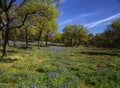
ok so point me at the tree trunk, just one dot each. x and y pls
(71, 40)
(3, 33)
(46, 40)
(8, 43)
(38, 44)
(0, 37)
(15, 34)
(14, 41)
(6, 40)
(39, 39)
(26, 37)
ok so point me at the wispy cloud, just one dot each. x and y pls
(63, 1)
(61, 13)
(93, 24)
(75, 18)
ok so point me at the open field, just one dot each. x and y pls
(60, 67)
(59, 44)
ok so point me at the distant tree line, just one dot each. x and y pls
(110, 38)
(74, 35)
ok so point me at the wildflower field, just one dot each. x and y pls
(60, 67)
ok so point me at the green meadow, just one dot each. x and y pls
(60, 67)
(59, 44)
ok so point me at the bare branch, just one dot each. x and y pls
(23, 22)
(10, 4)
(25, 18)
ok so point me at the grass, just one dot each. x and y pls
(60, 67)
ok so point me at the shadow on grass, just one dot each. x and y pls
(116, 51)
(24, 47)
(7, 60)
(100, 53)
(11, 51)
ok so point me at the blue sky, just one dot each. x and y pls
(93, 14)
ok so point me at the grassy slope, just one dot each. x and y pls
(56, 67)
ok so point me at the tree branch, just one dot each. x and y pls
(23, 22)
(1, 22)
(1, 12)
(1, 28)
(10, 4)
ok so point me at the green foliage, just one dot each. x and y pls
(13, 16)
(56, 38)
(110, 38)
(113, 30)
(74, 35)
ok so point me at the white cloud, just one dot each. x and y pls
(75, 18)
(93, 24)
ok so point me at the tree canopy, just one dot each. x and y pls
(74, 35)
(14, 15)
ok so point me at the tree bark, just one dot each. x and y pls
(7, 34)
(46, 40)
(14, 40)
(6, 40)
(8, 43)
(15, 37)
(39, 39)
(71, 40)
(26, 37)
(0, 37)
